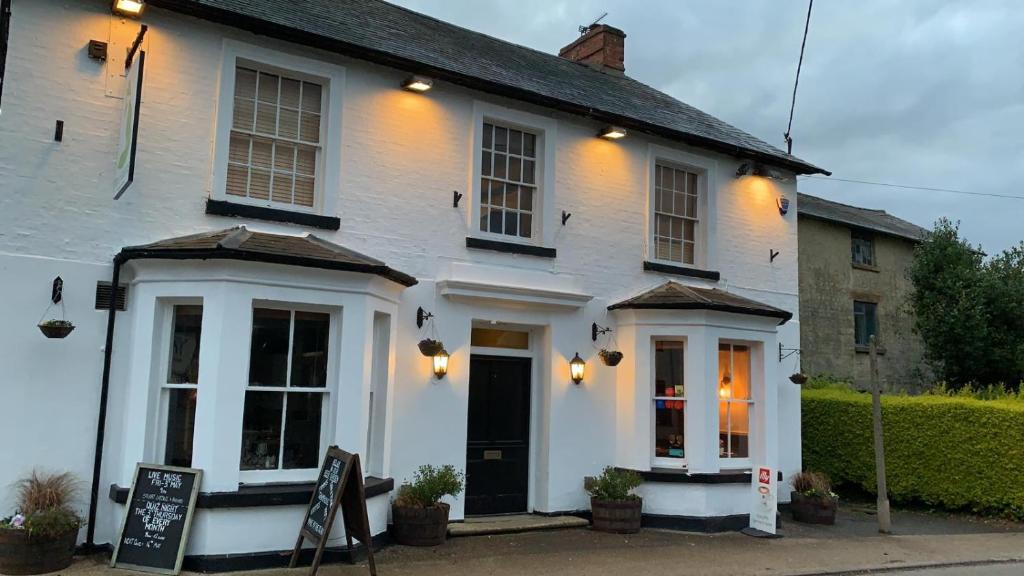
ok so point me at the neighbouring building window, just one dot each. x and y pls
(669, 400)
(275, 139)
(863, 246)
(865, 322)
(676, 205)
(181, 385)
(285, 400)
(734, 401)
(508, 181)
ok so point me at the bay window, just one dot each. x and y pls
(669, 402)
(286, 400)
(735, 403)
(180, 387)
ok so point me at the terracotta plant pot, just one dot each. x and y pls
(56, 330)
(799, 378)
(22, 553)
(619, 517)
(430, 347)
(813, 509)
(420, 526)
(610, 357)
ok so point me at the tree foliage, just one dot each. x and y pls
(969, 311)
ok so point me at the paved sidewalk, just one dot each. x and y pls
(850, 547)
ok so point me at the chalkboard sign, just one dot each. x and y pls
(340, 484)
(157, 519)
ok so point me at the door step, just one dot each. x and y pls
(513, 523)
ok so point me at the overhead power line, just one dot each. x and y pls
(908, 187)
(792, 104)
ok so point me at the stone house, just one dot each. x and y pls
(854, 283)
(315, 188)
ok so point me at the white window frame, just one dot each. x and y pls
(327, 405)
(653, 397)
(545, 130)
(330, 77)
(727, 463)
(165, 341)
(704, 236)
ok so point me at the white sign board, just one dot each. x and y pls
(124, 164)
(766, 498)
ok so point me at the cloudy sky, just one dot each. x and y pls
(924, 93)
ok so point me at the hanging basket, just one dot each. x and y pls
(798, 378)
(56, 328)
(610, 357)
(430, 347)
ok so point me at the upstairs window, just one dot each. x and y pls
(275, 139)
(865, 323)
(862, 246)
(676, 215)
(508, 181)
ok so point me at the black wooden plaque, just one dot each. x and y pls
(339, 486)
(157, 519)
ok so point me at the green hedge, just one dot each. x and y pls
(953, 453)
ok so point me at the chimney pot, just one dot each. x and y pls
(601, 47)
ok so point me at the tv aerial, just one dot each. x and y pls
(583, 29)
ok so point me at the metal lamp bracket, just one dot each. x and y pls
(422, 316)
(787, 352)
(596, 330)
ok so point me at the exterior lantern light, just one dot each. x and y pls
(576, 367)
(441, 363)
(130, 8)
(417, 84)
(612, 133)
(783, 203)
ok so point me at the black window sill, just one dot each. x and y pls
(509, 247)
(681, 271)
(867, 350)
(865, 267)
(225, 208)
(684, 477)
(259, 495)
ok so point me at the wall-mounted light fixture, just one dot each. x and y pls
(783, 203)
(441, 363)
(576, 368)
(612, 133)
(129, 8)
(752, 168)
(417, 83)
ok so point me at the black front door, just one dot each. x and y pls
(498, 446)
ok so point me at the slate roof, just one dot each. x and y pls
(675, 296)
(386, 34)
(238, 243)
(866, 218)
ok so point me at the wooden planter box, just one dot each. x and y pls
(20, 553)
(619, 517)
(813, 509)
(420, 526)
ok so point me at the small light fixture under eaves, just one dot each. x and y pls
(418, 84)
(612, 133)
(130, 8)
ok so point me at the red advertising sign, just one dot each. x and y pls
(764, 476)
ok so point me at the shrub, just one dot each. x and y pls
(956, 453)
(429, 485)
(813, 484)
(615, 485)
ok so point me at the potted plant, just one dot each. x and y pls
(610, 357)
(41, 536)
(56, 328)
(613, 506)
(429, 347)
(418, 515)
(813, 500)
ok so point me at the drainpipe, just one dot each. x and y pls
(101, 423)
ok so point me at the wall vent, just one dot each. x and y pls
(103, 293)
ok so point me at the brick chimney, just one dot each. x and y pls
(601, 47)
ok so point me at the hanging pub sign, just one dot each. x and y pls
(339, 486)
(765, 500)
(124, 164)
(158, 515)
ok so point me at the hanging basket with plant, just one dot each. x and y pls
(41, 536)
(56, 328)
(429, 347)
(613, 506)
(798, 378)
(418, 515)
(610, 357)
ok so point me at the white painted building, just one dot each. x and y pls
(488, 201)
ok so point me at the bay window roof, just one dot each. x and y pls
(675, 296)
(239, 243)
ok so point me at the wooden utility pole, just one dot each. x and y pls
(884, 519)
